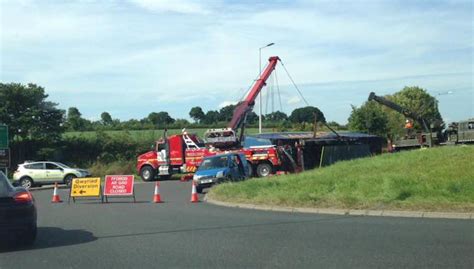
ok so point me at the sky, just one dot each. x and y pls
(134, 57)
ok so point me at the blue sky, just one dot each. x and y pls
(134, 57)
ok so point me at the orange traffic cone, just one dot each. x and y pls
(194, 195)
(156, 196)
(56, 198)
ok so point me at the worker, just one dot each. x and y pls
(408, 127)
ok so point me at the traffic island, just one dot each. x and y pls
(350, 212)
(435, 182)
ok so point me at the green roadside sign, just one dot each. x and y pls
(3, 136)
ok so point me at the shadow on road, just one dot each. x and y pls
(50, 237)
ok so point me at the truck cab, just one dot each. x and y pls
(168, 156)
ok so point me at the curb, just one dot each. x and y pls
(350, 212)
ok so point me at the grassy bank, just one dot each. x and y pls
(439, 179)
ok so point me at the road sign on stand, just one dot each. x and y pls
(85, 187)
(119, 185)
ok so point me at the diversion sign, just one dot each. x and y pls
(85, 187)
(119, 185)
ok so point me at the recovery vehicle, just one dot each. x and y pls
(416, 139)
(184, 152)
(460, 132)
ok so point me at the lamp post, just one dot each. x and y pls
(260, 95)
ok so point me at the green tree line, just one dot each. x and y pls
(36, 125)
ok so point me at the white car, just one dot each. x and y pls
(31, 174)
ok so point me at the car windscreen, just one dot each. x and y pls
(213, 163)
(62, 165)
(4, 185)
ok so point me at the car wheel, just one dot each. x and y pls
(29, 237)
(147, 173)
(26, 182)
(68, 180)
(264, 169)
(250, 169)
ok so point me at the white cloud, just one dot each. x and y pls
(184, 58)
(179, 6)
(293, 100)
(226, 103)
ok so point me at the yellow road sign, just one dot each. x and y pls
(85, 187)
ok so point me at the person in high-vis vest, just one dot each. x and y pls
(408, 127)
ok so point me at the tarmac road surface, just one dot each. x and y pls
(179, 234)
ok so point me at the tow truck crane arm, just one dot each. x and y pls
(224, 138)
(245, 106)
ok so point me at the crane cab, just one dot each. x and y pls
(221, 138)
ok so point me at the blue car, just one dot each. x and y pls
(220, 168)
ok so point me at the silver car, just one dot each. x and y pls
(31, 174)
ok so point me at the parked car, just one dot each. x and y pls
(17, 214)
(31, 174)
(219, 168)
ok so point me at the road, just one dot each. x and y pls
(179, 234)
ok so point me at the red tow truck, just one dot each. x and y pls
(183, 153)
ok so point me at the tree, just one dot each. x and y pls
(160, 118)
(197, 114)
(181, 123)
(306, 115)
(252, 117)
(381, 120)
(106, 119)
(276, 116)
(212, 116)
(28, 114)
(226, 113)
(369, 118)
(75, 122)
(419, 101)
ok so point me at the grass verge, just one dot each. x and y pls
(438, 179)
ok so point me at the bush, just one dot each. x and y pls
(100, 169)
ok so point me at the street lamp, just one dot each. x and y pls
(260, 95)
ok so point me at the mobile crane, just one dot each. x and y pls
(426, 138)
(184, 152)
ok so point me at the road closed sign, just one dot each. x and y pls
(85, 187)
(118, 185)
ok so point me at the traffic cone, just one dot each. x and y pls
(194, 195)
(156, 196)
(56, 198)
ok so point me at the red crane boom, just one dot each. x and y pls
(227, 137)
